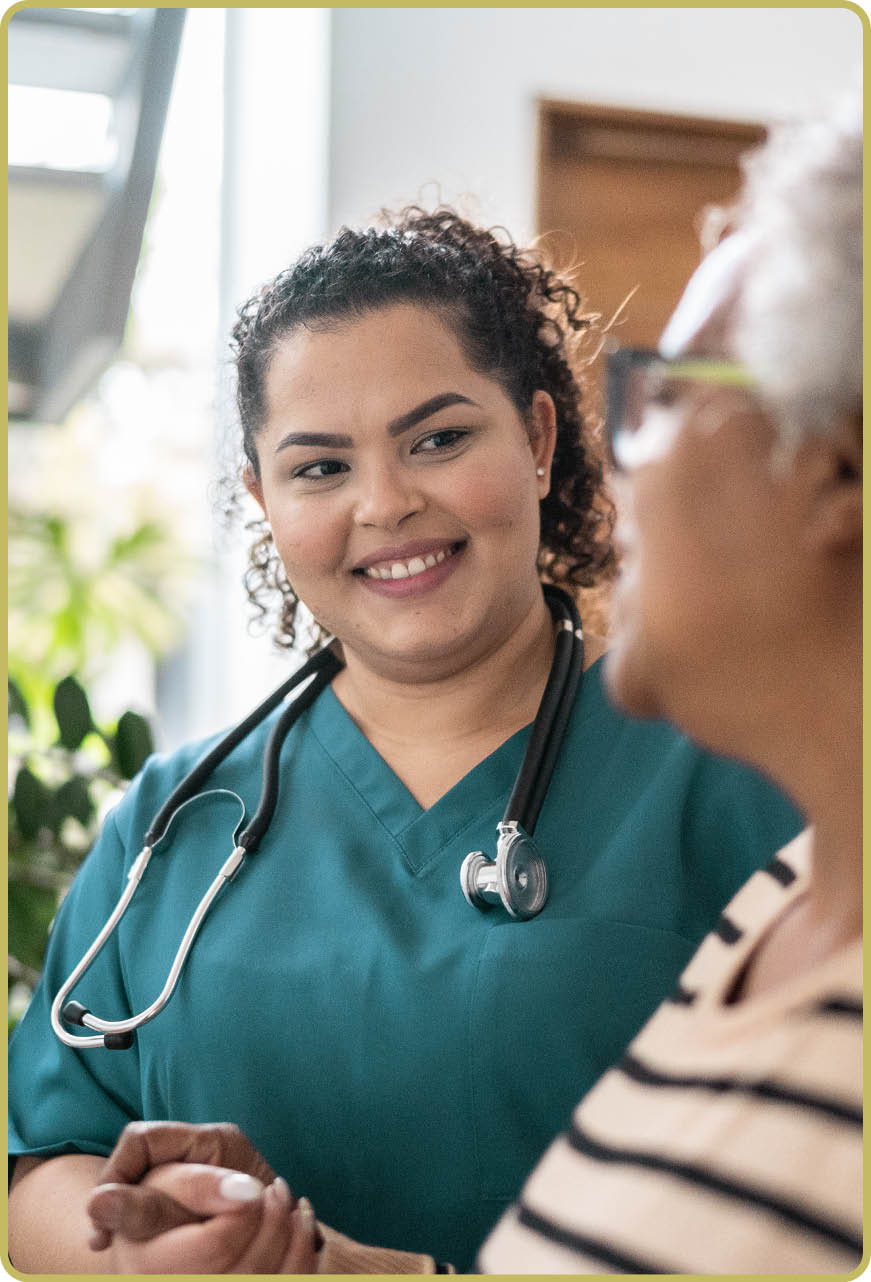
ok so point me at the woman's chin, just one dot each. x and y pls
(415, 654)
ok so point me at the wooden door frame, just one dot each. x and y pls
(605, 126)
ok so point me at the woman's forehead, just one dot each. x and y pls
(389, 360)
(701, 320)
(396, 334)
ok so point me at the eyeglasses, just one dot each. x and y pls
(637, 379)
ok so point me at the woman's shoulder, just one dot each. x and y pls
(163, 772)
(619, 739)
(721, 804)
(661, 742)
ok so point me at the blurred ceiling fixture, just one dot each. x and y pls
(88, 93)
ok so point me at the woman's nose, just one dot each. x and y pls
(388, 494)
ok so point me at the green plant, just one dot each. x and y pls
(58, 794)
(75, 593)
(89, 585)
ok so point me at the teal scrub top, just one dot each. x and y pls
(398, 1056)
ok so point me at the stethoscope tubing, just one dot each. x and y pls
(571, 636)
(328, 667)
(118, 1028)
(530, 787)
(323, 660)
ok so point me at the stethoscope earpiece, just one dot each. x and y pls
(516, 878)
(75, 1012)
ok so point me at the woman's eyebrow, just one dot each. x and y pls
(323, 440)
(339, 441)
(425, 409)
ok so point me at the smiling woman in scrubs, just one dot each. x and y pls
(413, 434)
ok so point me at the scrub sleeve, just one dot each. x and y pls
(401, 1058)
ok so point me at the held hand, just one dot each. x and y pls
(167, 1211)
(234, 1224)
(142, 1146)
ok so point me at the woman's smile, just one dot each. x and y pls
(409, 570)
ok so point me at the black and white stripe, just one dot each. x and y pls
(781, 872)
(770, 1091)
(726, 930)
(839, 1235)
(595, 1248)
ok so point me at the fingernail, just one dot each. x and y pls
(309, 1219)
(282, 1190)
(240, 1188)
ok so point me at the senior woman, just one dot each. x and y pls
(412, 431)
(728, 1139)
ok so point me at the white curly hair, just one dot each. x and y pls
(798, 322)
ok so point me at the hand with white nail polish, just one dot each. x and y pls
(179, 1198)
(182, 1198)
(233, 1223)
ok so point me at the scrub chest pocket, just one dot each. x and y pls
(557, 999)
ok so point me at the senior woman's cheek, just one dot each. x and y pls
(649, 591)
(661, 605)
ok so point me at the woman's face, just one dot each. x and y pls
(709, 568)
(402, 491)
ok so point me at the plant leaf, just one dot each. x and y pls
(30, 800)
(17, 704)
(133, 743)
(74, 798)
(73, 713)
(31, 909)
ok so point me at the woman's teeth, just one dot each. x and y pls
(408, 569)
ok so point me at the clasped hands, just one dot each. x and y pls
(178, 1198)
(181, 1198)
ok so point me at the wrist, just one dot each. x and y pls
(341, 1254)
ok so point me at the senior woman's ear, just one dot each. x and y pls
(835, 524)
(251, 481)
(542, 437)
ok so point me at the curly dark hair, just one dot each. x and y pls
(515, 318)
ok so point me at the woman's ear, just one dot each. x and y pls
(835, 525)
(542, 437)
(251, 481)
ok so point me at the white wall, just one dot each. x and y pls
(447, 96)
(273, 205)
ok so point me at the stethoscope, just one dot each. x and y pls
(516, 878)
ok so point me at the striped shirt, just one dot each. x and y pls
(728, 1139)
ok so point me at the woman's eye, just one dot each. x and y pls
(323, 468)
(662, 391)
(436, 441)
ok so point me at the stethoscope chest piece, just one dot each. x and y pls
(516, 878)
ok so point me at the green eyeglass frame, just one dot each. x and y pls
(625, 362)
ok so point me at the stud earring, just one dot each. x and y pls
(539, 471)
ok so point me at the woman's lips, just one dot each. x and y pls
(411, 575)
(408, 567)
